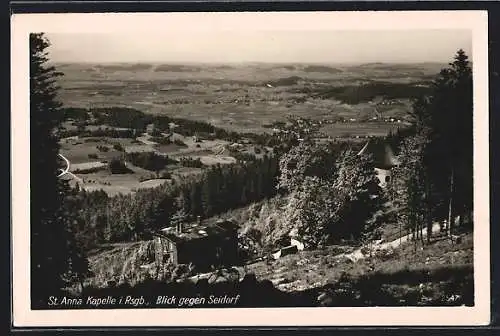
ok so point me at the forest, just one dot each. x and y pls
(355, 94)
(123, 218)
(135, 121)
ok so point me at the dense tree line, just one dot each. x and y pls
(57, 258)
(100, 132)
(75, 113)
(434, 180)
(356, 94)
(121, 117)
(149, 160)
(135, 122)
(134, 216)
(191, 162)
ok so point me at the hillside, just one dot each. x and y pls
(439, 274)
(326, 266)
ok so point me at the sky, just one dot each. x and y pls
(322, 46)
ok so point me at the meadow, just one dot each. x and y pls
(89, 158)
(246, 97)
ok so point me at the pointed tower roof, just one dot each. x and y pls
(364, 150)
(383, 155)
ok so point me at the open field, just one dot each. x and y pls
(244, 97)
(78, 150)
(353, 129)
(89, 161)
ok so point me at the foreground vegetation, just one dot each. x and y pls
(441, 274)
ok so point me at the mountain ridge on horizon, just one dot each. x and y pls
(235, 64)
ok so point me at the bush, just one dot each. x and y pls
(161, 140)
(93, 156)
(243, 156)
(191, 163)
(165, 174)
(118, 147)
(102, 148)
(117, 166)
(179, 142)
(155, 132)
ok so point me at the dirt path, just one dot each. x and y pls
(145, 141)
(67, 172)
(280, 275)
(76, 178)
(358, 255)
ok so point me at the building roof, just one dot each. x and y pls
(383, 155)
(192, 231)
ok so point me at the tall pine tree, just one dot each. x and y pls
(448, 114)
(434, 180)
(56, 258)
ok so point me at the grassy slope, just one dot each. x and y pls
(439, 270)
(124, 262)
(320, 267)
(439, 274)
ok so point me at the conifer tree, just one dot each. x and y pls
(434, 180)
(56, 258)
(446, 119)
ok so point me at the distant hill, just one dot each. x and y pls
(179, 68)
(321, 68)
(423, 67)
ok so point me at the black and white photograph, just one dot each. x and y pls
(190, 163)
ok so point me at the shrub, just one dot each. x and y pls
(93, 156)
(117, 166)
(165, 174)
(155, 132)
(240, 156)
(118, 147)
(102, 148)
(179, 142)
(149, 160)
(161, 140)
(191, 163)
